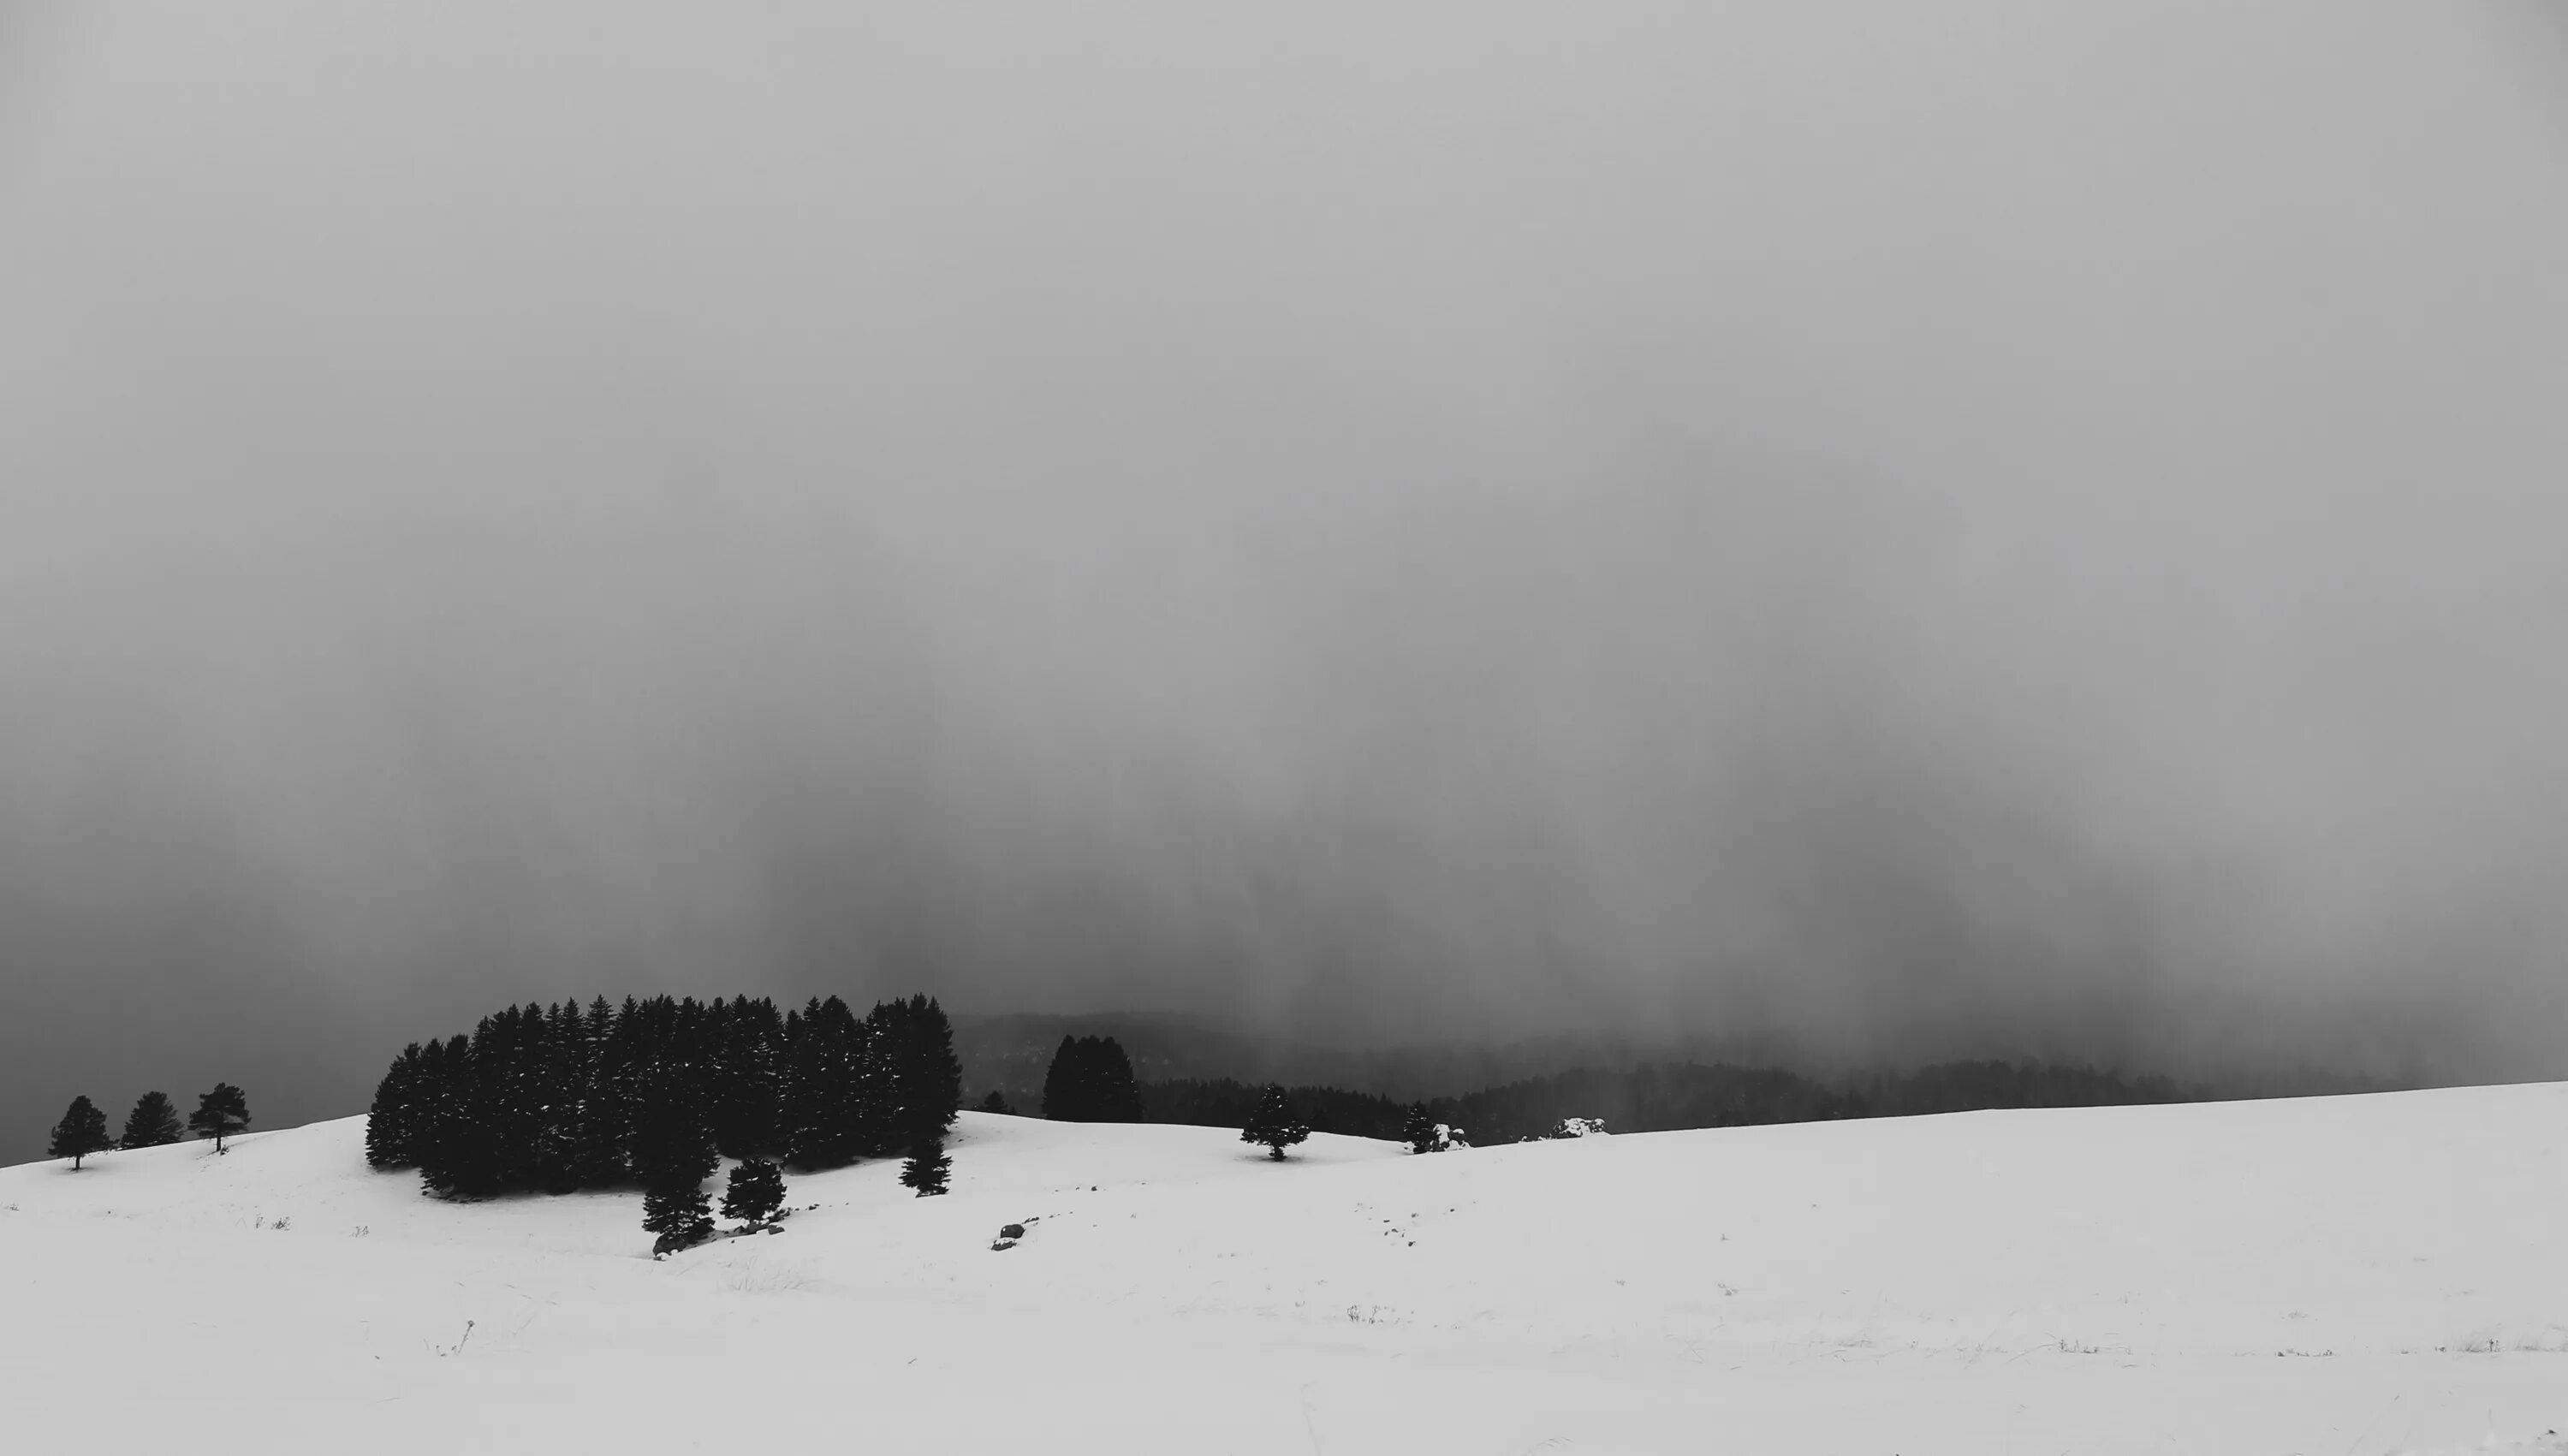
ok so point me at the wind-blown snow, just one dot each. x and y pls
(2346, 1276)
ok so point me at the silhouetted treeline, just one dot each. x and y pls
(1011, 1054)
(557, 1099)
(220, 1114)
(1666, 1098)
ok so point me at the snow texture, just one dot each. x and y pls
(2349, 1276)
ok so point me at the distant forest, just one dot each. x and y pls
(558, 1099)
(1191, 1072)
(1664, 1098)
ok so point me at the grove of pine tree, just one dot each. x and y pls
(153, 1123)
(560, 1098)
(81, 1131)
(1091, 1081)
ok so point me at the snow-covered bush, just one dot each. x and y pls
(1425, 1135)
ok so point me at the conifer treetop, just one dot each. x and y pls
(221, 1113)
(1273, 1123)
(153, 1123)
(81, 1131)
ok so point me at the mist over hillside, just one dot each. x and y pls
(2017, 530)
(1010, 1054)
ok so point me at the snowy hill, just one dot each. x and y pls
(2355, 1275)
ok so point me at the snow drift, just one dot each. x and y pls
(2356, 1275)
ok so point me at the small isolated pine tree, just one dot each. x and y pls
(755, 1194)
(81, 1131)
(998, 1105)
(220, 1113)
(1419, 1130)
(927, 1168)
(1273, 1123)
(153, 1123)
(680, 1214)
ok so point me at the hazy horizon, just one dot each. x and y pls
(2013, 530)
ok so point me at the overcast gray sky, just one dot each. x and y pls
(2010, 529)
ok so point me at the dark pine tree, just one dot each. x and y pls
(829, 1112)
(455, 1137)
(755, 1194)
(220, 1113)
(797, 1080)
(81, 1131)
(561, 1084)
(875, 1114)
(682, 1218)
(997, 1105)
(1419, 1131)
(915, 1048)
(421, 1111)
(935, 1070)
(153, 1123)
(1118, 1098)
(1062, 1101)
(1091, 1081)
(927, 1167)
(471, 1118)
(743, 1088)
(689, 1053)
(505, 1076)
(389, 1116)
(673, 1154)
(594, 1157)
(1273, 1123)
(671, 1144)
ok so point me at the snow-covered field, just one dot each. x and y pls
(2337, 1275)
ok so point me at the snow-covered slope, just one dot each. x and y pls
(2346, 1276)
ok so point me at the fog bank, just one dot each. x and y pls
(2023, 531)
